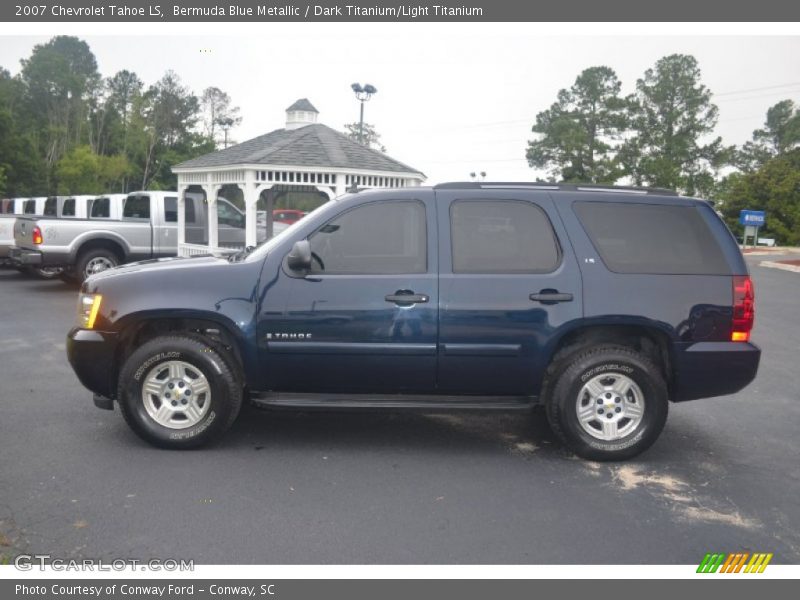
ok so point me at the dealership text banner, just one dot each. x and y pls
(349, 11)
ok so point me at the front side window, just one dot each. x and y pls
(68, 210)
(137, 207)
(502, 236)
(377, 238)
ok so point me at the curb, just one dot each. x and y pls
(777, 265)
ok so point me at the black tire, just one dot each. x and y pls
(89, 257)
(613, 362)
(47, 272)
(212, 362)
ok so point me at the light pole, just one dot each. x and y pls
(363, 94)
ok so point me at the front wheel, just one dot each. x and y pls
(608, 403)
(179, 392)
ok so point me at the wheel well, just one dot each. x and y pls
(212, 332)
(648, 340)
(109, 245)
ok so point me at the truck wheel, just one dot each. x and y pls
(179, 392)
(47, 272)
(608, 403)
(95, 261)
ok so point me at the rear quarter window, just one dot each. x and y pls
(652, 238)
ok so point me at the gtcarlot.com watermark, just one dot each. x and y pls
(46, 562)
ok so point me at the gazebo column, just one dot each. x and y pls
(211, 191)
(181, 215)
(250, 193)
(341, 186)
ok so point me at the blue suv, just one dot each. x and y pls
(600, 303)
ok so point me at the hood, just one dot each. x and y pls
(159, 265)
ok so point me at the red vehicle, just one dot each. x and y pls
(287, 215)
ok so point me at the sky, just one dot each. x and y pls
(452, 99)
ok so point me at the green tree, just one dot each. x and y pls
(579, 133)
(60, 77)
(780, 133)
(219, 117)
(671, 117)
(82, 171)
(774, 188)
(372, 139)
(24, 172)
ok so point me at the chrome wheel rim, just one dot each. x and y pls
(49, 271)
(97, 264)
(610, 406)
(176, 394)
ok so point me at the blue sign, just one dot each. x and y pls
(754, 218)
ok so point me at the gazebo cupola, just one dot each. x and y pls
(300, 114)
(305, 163)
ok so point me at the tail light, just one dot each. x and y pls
(37, 236)
(744, 308)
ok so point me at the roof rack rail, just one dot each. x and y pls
(565, 187)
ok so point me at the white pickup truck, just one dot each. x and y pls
(147, 229)
(60, 207)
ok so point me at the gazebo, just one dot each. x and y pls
(305, 157)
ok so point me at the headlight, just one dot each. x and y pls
(88, 307)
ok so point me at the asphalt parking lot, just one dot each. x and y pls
(75, 482)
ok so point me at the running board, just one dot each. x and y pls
(390, 401)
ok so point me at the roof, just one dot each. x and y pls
(302, 104)
(314, 145)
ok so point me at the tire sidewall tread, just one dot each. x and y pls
(216, 365)
(570, 377)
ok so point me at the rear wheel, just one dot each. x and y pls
(95, 261)
(608, 403)
(47, 272)
(179, 392)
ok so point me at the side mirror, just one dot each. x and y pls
(299, 259)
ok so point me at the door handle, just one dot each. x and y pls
(406, 298)
(551, 297)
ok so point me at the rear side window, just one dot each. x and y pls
(171, 210)
(101, 208)
(137, 207)
(377, 238)
(68, 210)
(503, 236)
(652, 238)
(30, 207)
(50, 209)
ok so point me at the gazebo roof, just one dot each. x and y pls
(302, 104)
(313, 145)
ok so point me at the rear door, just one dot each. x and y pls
(508, 282)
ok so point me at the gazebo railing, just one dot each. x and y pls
(203, 249)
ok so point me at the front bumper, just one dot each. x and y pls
(708, 369)
(91, 355)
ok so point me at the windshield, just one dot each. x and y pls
(318, 214)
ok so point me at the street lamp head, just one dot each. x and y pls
(370, 89)
(356, 87)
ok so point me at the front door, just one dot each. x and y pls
(364, 319)
(505, 288)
